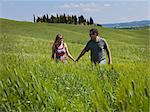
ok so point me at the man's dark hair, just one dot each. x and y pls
(93, 31)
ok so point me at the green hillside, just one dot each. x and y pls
(31, 81)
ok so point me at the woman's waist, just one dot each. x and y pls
(60, 53)
(61, 56)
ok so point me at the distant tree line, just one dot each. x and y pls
(67, 19)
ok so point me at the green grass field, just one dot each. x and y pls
(31, 82)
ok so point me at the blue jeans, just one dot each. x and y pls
(103, 62)
(61, 59)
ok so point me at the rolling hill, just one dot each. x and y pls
(128, 24)
(31, 81)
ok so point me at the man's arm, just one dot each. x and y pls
(81, 54)
(108, 52)
(68, 53)
(109, 56)
(86, 49)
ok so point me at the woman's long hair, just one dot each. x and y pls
(58, 36)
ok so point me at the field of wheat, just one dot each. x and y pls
(31, 82)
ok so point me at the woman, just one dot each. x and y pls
(60, 49)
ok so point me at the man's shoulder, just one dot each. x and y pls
(103, 39)
(90, 41)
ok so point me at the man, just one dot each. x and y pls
(97, 46)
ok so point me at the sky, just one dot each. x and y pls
(102, 11)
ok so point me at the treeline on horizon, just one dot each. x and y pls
(67, 19)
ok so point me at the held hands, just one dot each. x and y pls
(74, 60)
(77, 60)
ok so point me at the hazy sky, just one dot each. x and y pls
(102, 11)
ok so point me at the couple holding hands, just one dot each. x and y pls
(96, 45)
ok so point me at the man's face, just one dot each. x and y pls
(93, 36)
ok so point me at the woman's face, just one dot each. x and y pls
(61, 39)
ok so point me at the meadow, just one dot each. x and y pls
(31, 82)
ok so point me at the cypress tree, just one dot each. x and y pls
(52, 19)
(91, 21)
(87, 22)
(64, 18)
(44, 18)
(58, 19)
(75, 20)
(47, 18)
(81, 19)
(69, 19)
(38, 19)
(61, 19)
(34, 17)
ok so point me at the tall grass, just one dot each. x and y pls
(31, 81)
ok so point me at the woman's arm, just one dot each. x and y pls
(53, 51)
(67, 52)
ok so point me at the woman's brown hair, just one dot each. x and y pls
(58, 36)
